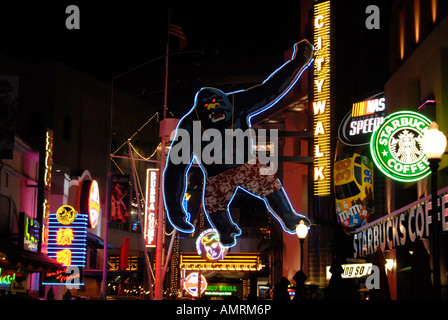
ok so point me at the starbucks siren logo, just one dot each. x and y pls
(397, 149)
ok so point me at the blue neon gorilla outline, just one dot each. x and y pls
(218, 110)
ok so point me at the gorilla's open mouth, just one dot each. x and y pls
(215, 117)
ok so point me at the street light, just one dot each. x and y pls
(302, 232)
(434, 145)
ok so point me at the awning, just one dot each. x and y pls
(13, 256)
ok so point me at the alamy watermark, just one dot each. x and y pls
(231, 148)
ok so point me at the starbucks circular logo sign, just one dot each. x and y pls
(397, 149)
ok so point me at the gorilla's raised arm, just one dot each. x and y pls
(263, 96)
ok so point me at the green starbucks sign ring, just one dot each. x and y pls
(397, 149)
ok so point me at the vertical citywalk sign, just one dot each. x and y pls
(321, 103)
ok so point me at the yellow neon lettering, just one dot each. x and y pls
(319, 106)
(64, 257)
(318, 153)
(64, 237)
(318, 173)
(318, 22)
(319, 62)
(319, 84)
(319, 129)
(319, 43)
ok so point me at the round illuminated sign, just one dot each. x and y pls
(191, 284)
(66, 214)
(209, 247)
(90, 201)
(397, 149)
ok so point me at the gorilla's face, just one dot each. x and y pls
(213, 107)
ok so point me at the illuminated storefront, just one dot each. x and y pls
(235, 263)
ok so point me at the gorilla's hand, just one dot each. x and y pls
(303, 51)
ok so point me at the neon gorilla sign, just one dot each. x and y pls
(224, 114)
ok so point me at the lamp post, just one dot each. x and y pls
(434, 145)
(302, 232)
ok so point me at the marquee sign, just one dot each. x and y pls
(365, 117)
(321, 103)
(232, 262)
(397, 149)
(152, 195)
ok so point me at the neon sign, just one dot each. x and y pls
(321, 103)
(401, 227)
(355, 270)
(202, 136)
(365, 117)
(6, 278)
(222, 289)
(152, 194)
(30, 232)
(64, 237)
(48, 157)
(67, 242)
(191, 284)
(66, 214)
(232, 262)
(396, 146)
(90, 201)
(209, 247)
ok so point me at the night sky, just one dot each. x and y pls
(115, 36)
(235, 37)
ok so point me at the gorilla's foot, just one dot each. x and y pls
(290, 220)
(181, 224)
(227, 229)
(281, 208)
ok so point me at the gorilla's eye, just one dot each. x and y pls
(214, 100)
(206, 105)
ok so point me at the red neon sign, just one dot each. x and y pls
(90, 201)
(191, 284)
(152, 194)
(94, 204)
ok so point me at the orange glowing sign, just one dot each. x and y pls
(90, 201)
(64, 257)
(64, 237)
(94, 204)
